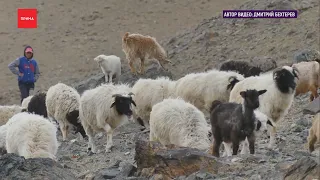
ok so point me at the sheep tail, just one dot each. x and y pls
(214, 104)
(232, 82)
(125, 37)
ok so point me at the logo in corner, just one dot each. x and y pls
(27, 18)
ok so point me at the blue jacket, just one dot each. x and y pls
(29, 68)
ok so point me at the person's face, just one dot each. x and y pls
(29, 54)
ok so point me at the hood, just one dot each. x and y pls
(24, 54)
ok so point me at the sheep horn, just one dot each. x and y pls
(116, 95)
(130, 94)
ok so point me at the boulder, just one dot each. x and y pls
(13, 166)
(313, 107)
(306, 55)
(304, 168)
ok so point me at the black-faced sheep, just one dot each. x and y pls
(61, 102)
(309, 78)
(242, 67)
(140, 46)
(314, 133)
(175, 121)
(200, 89)
(103, 109)
(31, 136)
(148, 92)
(280, 85)
(110, 66)
(233, 122)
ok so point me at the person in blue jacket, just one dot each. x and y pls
(28, 71)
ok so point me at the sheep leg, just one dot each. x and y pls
(106, 77)
(235, 147)
(141, 65)
(109, 132)
(110, 77)
(251, 141)
(311, 140)
(133, 70)
(216, 146)
(227, 149)
(272, 141)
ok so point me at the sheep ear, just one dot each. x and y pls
(262, 91)
(243, 94)
(258, 125)
(132, 101)
(269, 122)
(114, 103)
(24, 110)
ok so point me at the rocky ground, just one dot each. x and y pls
(207, 45)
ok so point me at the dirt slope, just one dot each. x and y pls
(71, 33)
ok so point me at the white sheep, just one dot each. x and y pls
(261, 124)
(6, 112)
(62, 103)
(31, 136)
(110, 66)
(103, 109)
(275, 103)
(148, 92)
(200, 89)
(3, 134)
(175, 121)
(309, 78)
(26, 101)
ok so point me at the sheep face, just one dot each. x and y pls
(285, 79)
(232, 82)
(122, 104)
(73, 118)
(251, 97)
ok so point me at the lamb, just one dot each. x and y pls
(105, 108)
(261, 126)
(175, 121)
(37, 104)
(200, 89)
(139, 46)
(148, 92)
(242, 67)
(280, 85)
(232, 122)
(309, 78)
(110, 66)
(314, 133)
(6, 112)
(62, 103)
(26, 101)
(31, 136)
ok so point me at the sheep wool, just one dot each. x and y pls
(60, 101)
(26, 101)
(200, 89)
(175, 121)
(148, 92)
(6, 112)
(31, 136)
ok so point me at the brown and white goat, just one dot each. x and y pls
(233, 122)
(140, 46)
(309, 78)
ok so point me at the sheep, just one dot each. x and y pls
(314, 133)
(26, 101)
(139, 46)
(31, 136)
(105, 108)
(280, 84)
(3, 132)
(309, 78)
(261, 126)
(148, 92)
(62, 103)
(234, 122)
(178, 122)
(110, 66)
(242, 67)
(6, 112)
(200, 89)
(37, 104)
